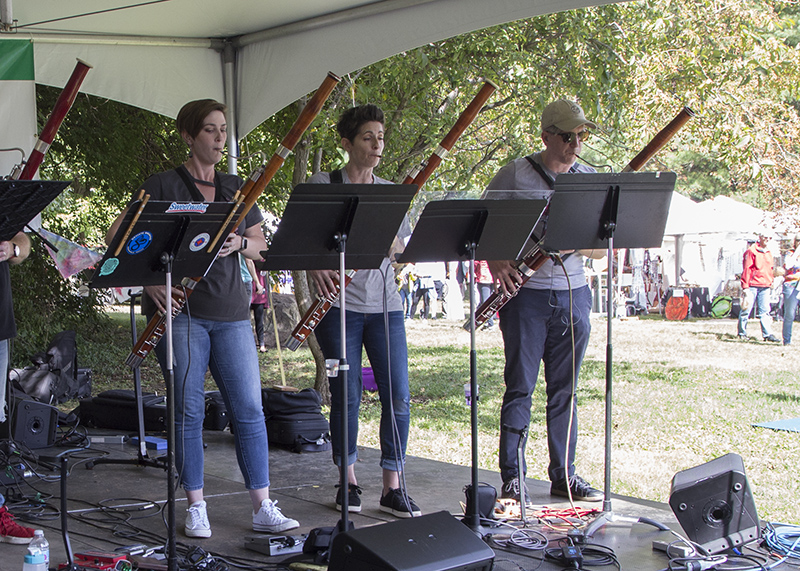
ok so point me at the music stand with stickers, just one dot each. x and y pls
(155, 240)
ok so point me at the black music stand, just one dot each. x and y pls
(328, 227)
(599, 210)
(22, 200)
(469, 230)
(155, 240)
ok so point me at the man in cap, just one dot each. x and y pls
(548, 318)
(756, 282)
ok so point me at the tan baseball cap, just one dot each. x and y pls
(564, 115)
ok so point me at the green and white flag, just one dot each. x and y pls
(17, 103)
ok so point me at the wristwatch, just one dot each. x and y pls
(244, 244)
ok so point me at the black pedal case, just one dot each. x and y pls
(216, 412)
(300, 432)
(116, 409)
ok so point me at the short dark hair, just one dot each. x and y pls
(191, 116)
(352, 120)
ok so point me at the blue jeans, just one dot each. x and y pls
(761, 295)
(790, 291)
(4, 371)
(227, 348)
(368, 329)
(535, 326)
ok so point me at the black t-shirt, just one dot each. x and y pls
(221, 295)
(8, 327)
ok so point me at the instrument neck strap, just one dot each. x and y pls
(336, 177)
(197, 196)
(546, 177)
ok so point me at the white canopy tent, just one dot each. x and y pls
(706, 240)
(256, 55)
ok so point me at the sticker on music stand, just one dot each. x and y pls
(199, 242)
(187, 207)
(139, 243)
(109, 266)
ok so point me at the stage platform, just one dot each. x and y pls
(115, 505)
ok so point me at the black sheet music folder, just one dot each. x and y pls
(22, 200)
(641, 217)
(315, 212)
(194, 225)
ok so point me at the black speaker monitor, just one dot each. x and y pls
(434, 542)
(34, 424)
(714, 505)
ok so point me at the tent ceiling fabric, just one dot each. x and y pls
(159, 54)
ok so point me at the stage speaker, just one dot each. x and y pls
(434, 542)
(34, 424)
(714, 505)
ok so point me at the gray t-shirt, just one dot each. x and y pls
(366, 291)
(518, 179)
(221, 295)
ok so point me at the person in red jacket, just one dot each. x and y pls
(756, 283)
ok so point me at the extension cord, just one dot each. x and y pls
(14, 473)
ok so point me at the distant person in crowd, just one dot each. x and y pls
(791, 282)
(406, 278)
(756, 282)
(547, 319)
(213, 331)
(485, 284)
(258, 303)
(369, 294)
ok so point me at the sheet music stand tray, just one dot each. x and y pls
(155, 240)
(617, 210)
(22, 200)
(469, 230)
(328, 227)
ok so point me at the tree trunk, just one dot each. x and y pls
(302, 288)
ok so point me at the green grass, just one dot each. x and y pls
(674, 405)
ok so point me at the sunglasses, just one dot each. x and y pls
(569, 137)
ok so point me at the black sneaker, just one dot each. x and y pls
(772, 339)
(510, 490)
(395, 503)
(353, 501)
(580, 488)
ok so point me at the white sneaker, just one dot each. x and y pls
(269, 518)
(197, 521)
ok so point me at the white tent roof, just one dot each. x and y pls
(256, 55)
(721, 215)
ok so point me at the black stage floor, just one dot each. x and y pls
(304, 486)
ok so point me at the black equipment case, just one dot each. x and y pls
(295, 420)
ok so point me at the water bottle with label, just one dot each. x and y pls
(40, 546)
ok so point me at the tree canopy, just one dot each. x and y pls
(632, 66)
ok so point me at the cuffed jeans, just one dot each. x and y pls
(227, 349)
(535, 326)
(368, 329)
(759, 297)
(790, 291)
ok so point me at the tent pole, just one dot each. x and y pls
(229, 85)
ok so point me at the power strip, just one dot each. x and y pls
(273, 545)
(676, 548)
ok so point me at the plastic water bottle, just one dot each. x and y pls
(34, 562)
(40, 546)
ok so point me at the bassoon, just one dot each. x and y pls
(60, 110)
(249, 193)
(536, 258)
(322, 305)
